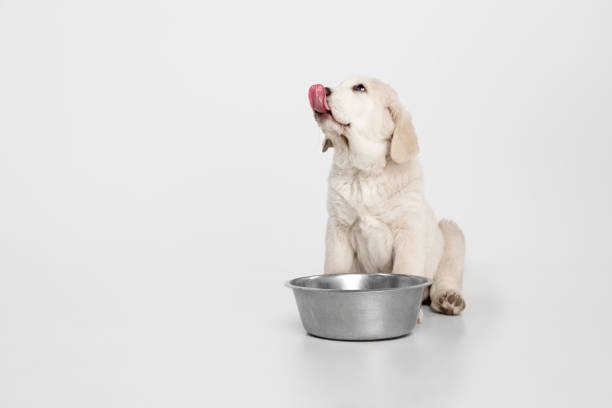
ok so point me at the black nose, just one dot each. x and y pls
(327, 91)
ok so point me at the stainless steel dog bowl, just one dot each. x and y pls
(356, 306)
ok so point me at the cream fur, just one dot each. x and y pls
(379, 220)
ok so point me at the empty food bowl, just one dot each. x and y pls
(356, 306)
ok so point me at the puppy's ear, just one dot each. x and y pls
(326, 145)
(404, 144)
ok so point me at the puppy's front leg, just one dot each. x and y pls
(409, 248)
(409, 256)
(338, 249)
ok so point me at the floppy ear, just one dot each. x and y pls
(404, 144)
(326, 145)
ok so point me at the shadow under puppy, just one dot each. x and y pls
(379, 220)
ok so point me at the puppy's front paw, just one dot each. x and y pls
(448, 302)
(420, 318)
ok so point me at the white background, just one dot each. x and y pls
(161, 177)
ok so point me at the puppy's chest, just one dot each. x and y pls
(361, 206)
(355, 199)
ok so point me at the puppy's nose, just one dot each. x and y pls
(327, 91)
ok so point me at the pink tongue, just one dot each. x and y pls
(316, 96)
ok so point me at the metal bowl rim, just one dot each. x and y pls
(426, 282)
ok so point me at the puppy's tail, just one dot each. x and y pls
(450, 269)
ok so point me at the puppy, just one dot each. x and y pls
(379, 220)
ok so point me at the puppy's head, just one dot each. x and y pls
(364, 121)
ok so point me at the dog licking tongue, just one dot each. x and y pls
(316, 96)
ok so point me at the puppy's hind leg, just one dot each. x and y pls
(445, 292)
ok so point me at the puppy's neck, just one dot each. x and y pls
(350, 161)
(349, 166)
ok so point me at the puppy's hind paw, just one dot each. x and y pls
(449, 302)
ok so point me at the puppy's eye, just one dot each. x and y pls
(359, 88)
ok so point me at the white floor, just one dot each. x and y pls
(151, 339)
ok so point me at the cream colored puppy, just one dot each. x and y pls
(379, 220)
